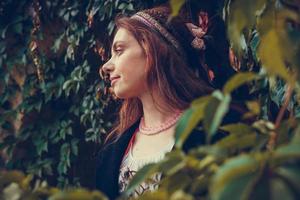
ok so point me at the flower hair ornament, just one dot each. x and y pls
(198, 31)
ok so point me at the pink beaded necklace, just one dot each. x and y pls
(152, 130)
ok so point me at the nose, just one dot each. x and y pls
(106, 69)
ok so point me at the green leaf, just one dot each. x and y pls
(3, 33)
(287, 152)
(57, 43)
(261, 188)
(279, 190)
(176, 182)
(64, 158)
(173, 162)
(273, 61)
(241, 136)
(296, 137)
(78, 194)
(238, 141)
(41, 145)
(234, 177)
(214, 112)
(254, 107)
(18, 28)
(141, 176)
(241, 20)
(155, 195)
(10, 176)
(74, 146)
(238, 80)
(287, 26)
(175, 6)
(237, 128)
(189, 120)
(290, 174)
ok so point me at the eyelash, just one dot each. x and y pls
(118, 51)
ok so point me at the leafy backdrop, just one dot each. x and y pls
(53, 116)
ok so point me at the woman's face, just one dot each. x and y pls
(127, 66)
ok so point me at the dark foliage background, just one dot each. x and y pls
(53, 115)
(55, 111)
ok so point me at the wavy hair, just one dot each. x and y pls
(167, 73)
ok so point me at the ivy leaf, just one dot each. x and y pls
(41, 145)
(74, 146)
(64, 159)
(18, 28)
(57, 43)
(3, 33)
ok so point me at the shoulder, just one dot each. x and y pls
(108, 163)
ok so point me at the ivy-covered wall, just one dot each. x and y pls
(53, 112)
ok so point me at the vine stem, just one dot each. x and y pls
(274, 134)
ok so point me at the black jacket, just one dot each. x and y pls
(110, 157)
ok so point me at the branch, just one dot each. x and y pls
(274, 134)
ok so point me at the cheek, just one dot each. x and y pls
(132, 84)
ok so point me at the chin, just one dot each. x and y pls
(124, 94)
(121, 94)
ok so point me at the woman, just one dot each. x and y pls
(151, 71)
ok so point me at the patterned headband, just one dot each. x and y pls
(152, 23)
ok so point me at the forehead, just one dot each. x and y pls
(123, 35)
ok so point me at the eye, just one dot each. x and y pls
(118, 51)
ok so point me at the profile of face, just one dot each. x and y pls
(127, 66)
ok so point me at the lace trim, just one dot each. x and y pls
(131, 164)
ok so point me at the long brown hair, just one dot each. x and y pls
(167, 73)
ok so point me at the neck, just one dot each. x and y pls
(152, 114)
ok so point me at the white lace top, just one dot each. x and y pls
(131, 164)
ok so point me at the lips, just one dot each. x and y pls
(114, 79)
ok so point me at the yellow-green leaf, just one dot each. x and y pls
(270, 54)
(141, 176)
(214, 112)
(238, 80)
(234, 177)
(237, 128)
(175, 6)
(190, 119)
